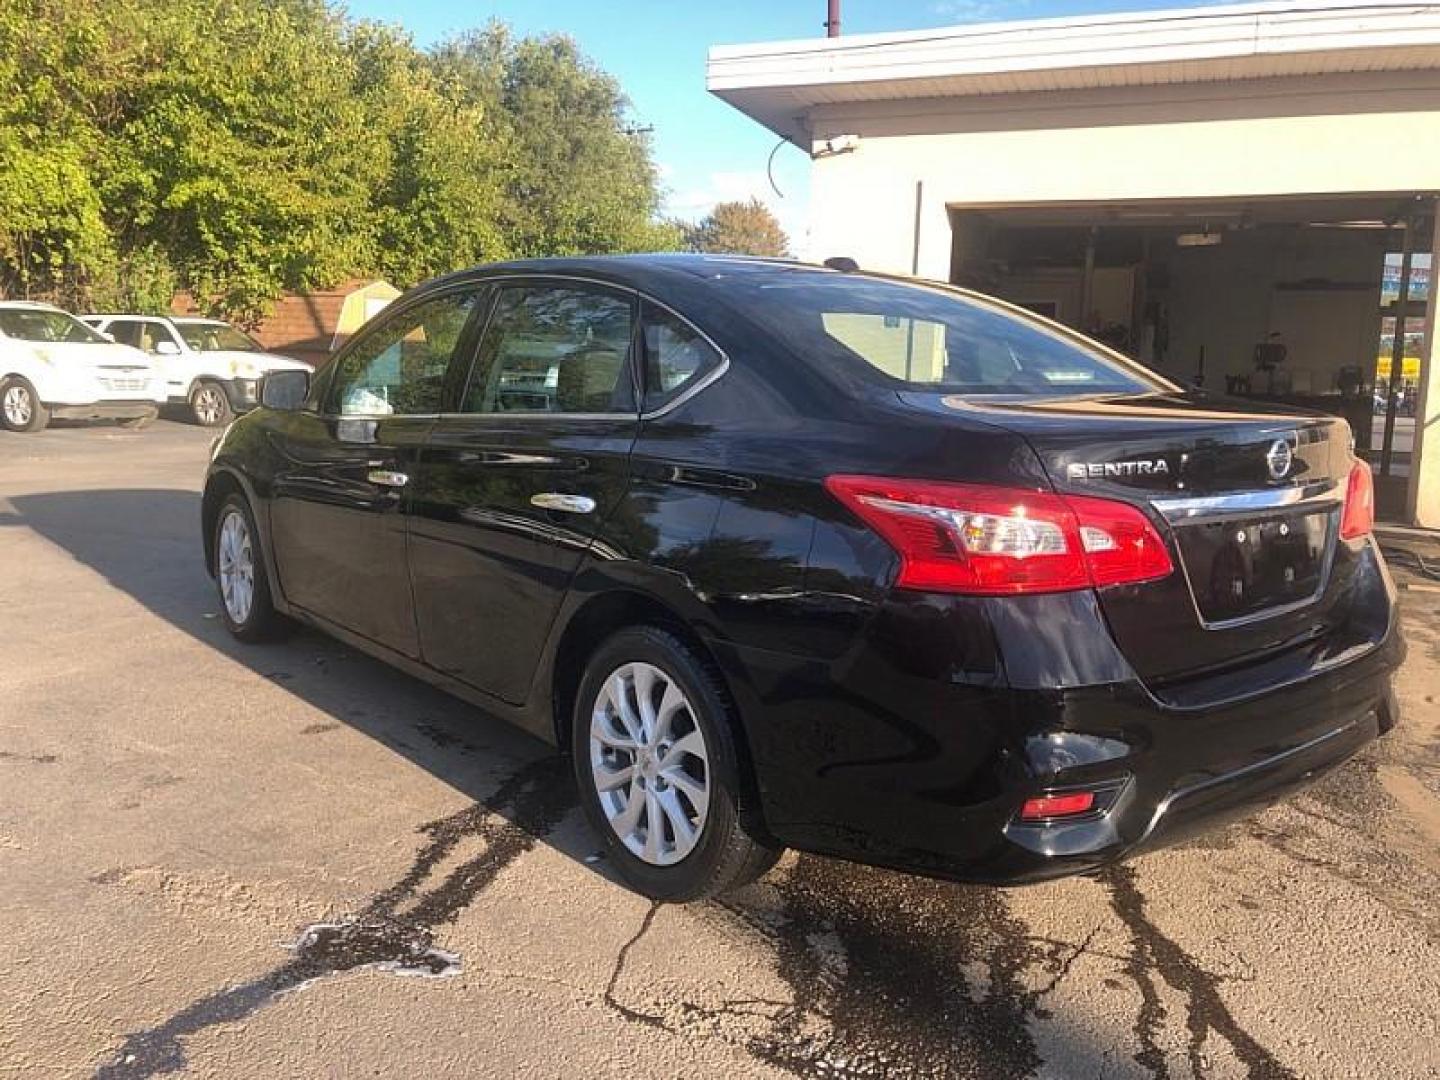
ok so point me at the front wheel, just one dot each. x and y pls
(209, 407)
(245, 602)
(656, 763)
(20, 407)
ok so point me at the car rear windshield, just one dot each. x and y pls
(216, 337)
(41, 325)
(932, 339)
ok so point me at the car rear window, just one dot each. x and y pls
(931, 339)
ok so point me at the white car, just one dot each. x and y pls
(53, 365)
(208, 365)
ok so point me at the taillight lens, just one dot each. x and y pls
(970, 538)
(1046, 807)
(1358, 518)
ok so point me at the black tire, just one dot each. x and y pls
(259, 621)
(135, 423)
(17, 391)
(210, 405)
(725, 856)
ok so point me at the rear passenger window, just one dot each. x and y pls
(555, 349)
(676, 356)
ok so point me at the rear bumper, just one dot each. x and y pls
(910, 754)
(105, 410)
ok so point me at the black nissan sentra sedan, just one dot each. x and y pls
(789, 556)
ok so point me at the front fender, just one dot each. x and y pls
(222, 477)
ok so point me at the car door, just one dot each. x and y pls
(172, 360)
(339, 498)
(512, 487)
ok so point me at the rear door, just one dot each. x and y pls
(339, 496)
(512, 488)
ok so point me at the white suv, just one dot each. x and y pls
(52, 364)
(207, 364)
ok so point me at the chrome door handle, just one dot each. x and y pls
(387, 478)
(570, 504)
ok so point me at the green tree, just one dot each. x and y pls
(241, 150)
(438, 206)
(739, 228)
(578, 177)
(52, 228)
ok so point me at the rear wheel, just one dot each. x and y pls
(20, 407)
(656, 763)
(245, 602)
(209, 407)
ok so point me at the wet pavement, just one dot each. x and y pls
(290, 860)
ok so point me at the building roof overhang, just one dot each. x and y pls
(779, 84)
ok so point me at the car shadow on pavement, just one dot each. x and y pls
(885, 974)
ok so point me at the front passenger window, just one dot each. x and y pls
(397, 368)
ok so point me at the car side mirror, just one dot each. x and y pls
(284, 390)
(166, 348)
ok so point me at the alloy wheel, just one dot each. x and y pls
(19, 409)
(650, 764)
(236, 566)
(209, 406)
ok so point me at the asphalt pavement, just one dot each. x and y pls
(290, 860)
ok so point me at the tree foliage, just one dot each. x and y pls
(239, 150)
(739, 228)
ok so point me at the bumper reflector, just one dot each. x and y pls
(1046, 807)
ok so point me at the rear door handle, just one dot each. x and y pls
(570, 504)
(387, 478)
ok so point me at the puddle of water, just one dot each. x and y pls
(385, 944)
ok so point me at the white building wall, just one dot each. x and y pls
(1335, 134)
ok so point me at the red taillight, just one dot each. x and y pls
(1358, 518)
(970, 538)
(1055, 806)
(1121, 546)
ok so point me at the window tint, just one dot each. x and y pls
(676, 356)
(152, 334)
(933, 339)
(555, 349)
(216, 337)
(125, 331)
(43, 324)
(398, 367)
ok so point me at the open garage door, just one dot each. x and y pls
(1294, 301)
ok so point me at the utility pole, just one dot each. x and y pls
(832, 19)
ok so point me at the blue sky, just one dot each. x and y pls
(656, 48)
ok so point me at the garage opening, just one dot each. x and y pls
(1290, 300)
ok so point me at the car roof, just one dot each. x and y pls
(640, 271)
(197, 319)
(31, 305)
(122, 315)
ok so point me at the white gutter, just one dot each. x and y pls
(1225, 41)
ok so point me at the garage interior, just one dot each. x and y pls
(1291, 300)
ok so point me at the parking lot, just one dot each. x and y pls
(290, 860)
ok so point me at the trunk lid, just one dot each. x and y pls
(1247, 498)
